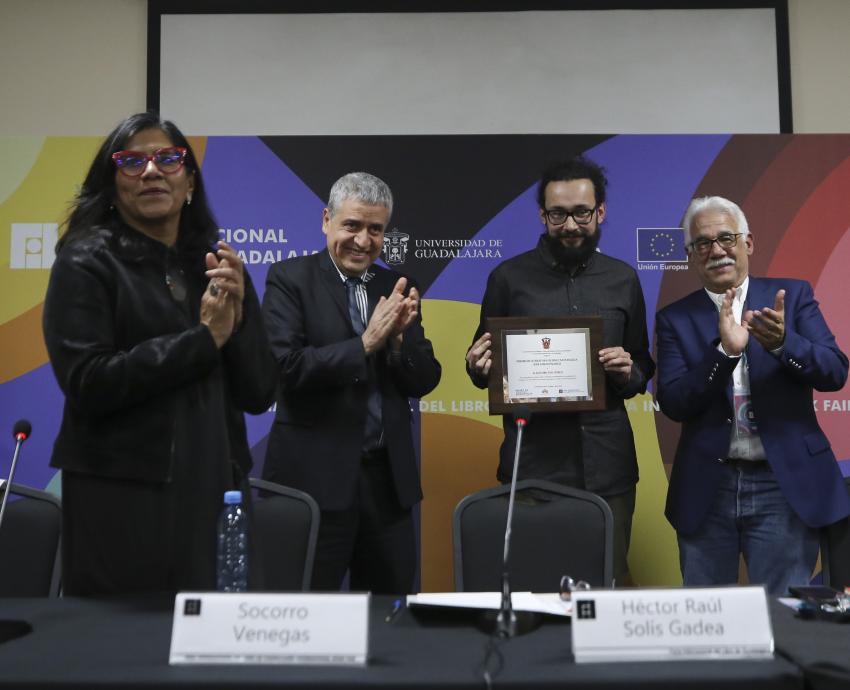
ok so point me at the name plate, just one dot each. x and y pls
(270, 628)
(664, 624)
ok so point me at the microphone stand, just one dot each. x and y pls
(508, 623)
(12, 629)
(7, 486)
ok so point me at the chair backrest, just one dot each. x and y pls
(285, 529)
(30, 543)
(556, 531)
(835, 552)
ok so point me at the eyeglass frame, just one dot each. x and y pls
(568, 586)
(692, 246)
(571, 214)
(149, 158)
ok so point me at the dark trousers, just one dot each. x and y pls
(623, 508)
(373, 539)
(123, 537)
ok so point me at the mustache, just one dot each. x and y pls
(717, 263)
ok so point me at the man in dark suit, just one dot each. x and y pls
(737, 361)
(348, 338)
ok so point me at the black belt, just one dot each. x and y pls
(745, 465)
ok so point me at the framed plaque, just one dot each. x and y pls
(548, 364)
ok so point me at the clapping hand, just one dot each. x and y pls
(391, 317)
(733, 336)
(768, 325)
(226, 273)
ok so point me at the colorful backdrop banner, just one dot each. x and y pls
(463, 204)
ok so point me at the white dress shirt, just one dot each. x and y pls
(744, 443)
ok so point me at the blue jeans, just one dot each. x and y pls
(749, 516)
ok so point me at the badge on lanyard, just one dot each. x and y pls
(745, 418)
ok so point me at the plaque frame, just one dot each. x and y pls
(499, 328)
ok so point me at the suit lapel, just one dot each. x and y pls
(334, 286)
(374, 288)
(705, 315)
(756, 299)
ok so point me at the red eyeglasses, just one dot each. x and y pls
(167, 160)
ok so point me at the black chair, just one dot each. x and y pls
(30, 543)
(556, 531)
(835, 552)
(285, 529)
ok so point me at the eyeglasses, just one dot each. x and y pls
(167, 160)
(581, 216)
(726, 240)
(569, 586)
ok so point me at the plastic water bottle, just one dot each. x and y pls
(232, 572)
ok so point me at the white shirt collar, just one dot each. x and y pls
(740, 293)
(366, 277)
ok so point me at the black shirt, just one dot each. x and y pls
(586, 450)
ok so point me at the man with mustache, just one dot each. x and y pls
(565, 275)
(737, 362)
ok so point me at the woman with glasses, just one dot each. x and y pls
(155, 337)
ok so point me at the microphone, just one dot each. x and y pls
(522, 416)
(506, 621)
(22, 430)
(11, 629)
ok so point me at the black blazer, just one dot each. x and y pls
(316, 440)
(129, 360)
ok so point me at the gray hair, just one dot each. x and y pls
(713, 203)
(363, 187)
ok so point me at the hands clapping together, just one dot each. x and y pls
(221, 303)
(391, 318)
(766, 325)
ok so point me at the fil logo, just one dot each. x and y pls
(547, 343)
(586, 608)
(395, 247)
(33, 245)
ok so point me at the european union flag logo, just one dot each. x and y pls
(661, 244)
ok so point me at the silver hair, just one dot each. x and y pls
(363, 187)
(713, 203)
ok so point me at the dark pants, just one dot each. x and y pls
(373, 539)
(124, 537)
(623, 508)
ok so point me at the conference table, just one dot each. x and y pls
(80, 643)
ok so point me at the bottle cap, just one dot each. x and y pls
(231, 497)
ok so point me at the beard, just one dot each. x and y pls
(573, 256)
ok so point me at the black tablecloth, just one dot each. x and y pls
(820, 648)
(91, 644)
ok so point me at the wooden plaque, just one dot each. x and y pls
(548, 364)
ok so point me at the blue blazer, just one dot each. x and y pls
(695, 388)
